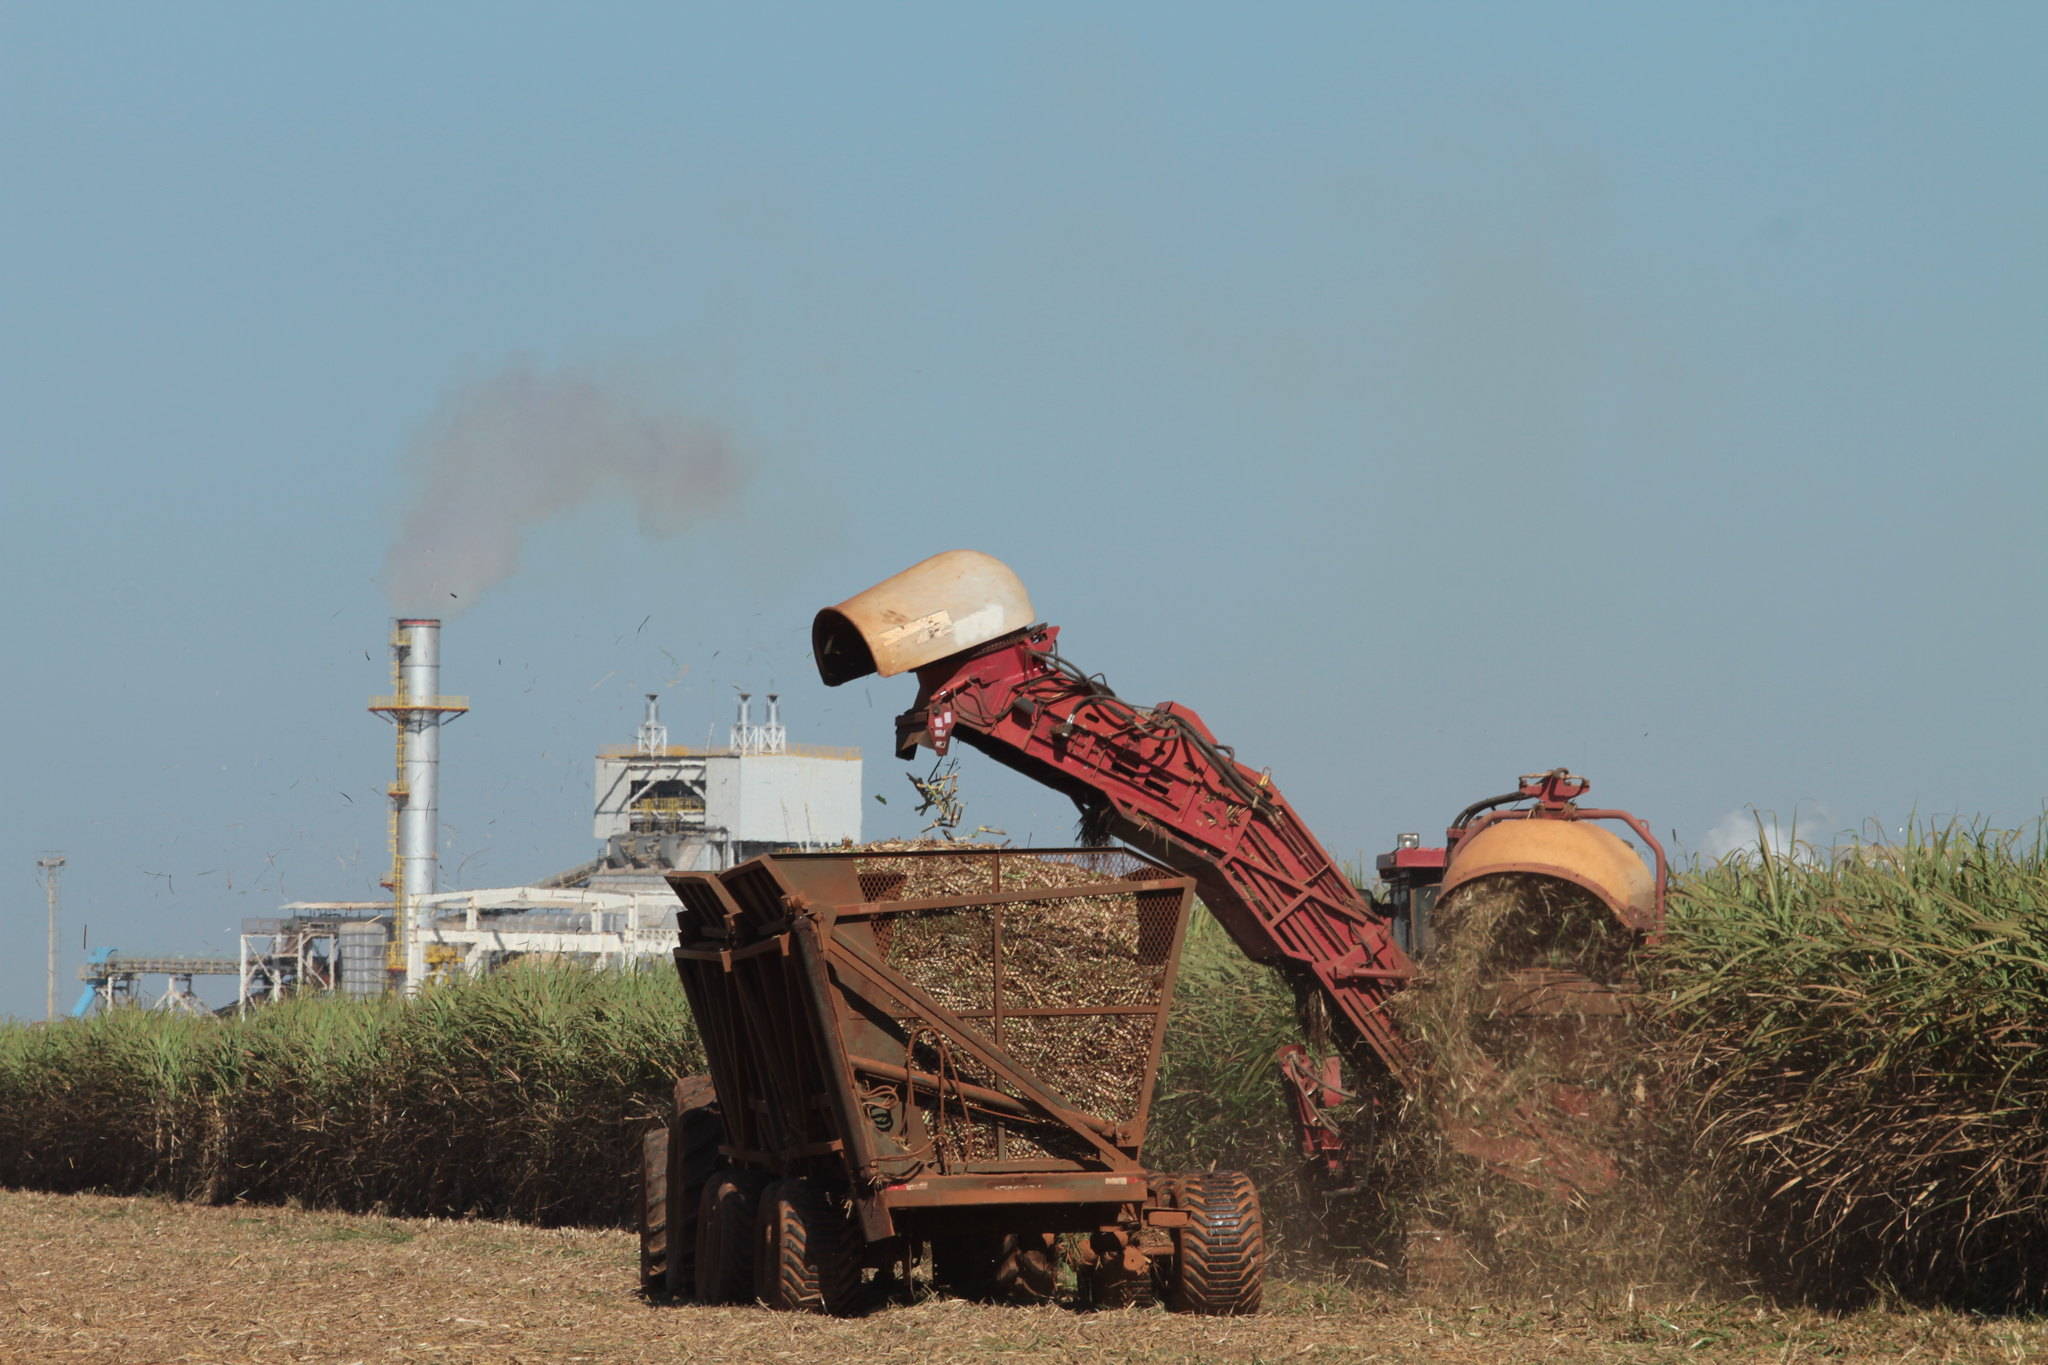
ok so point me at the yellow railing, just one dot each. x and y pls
(837, 751)
(400, 703)
(669, 804)
(840, 751)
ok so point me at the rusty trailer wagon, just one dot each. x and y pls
(948, 1051)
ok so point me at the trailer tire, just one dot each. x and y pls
(659, 1236)
(1027, 1268)
(807, 1255)
(725, 1235)
(1220, 1263)
(676, 1158)
(693, 1138)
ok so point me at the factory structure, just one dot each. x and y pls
(656, 808)
(709, 809)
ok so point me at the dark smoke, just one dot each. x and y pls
(498, 457)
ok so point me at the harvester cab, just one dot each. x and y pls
(990, 675)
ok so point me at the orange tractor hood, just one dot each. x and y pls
(1575, 851)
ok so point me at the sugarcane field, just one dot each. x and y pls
(477, 1136)
(1119, 682)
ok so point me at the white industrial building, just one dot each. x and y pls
(657, 808)
(709, 809)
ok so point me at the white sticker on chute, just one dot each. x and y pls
(983, 623)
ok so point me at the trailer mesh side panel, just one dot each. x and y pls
(1070, 986)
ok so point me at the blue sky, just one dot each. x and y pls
(1424, 393)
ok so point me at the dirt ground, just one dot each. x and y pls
(84, 1278)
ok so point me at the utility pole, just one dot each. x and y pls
(51, 863)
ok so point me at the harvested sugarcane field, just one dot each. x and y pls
(91, 1279)
(1059, 682)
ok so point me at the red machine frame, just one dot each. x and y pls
(1157, 778)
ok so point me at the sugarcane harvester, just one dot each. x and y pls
(990, 675)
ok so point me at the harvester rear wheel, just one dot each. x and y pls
(1027, 1268)
(725, 1235)
(655, 1229)
(1117, 1275)
(1011, 1267)
(1219, 1266)
(807, 1254)
(1112, 1287)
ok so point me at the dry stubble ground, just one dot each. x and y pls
(84, 1278)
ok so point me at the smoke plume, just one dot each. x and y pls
(499, 457)
(1747, 834)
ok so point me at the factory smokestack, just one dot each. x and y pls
(418, 711)
(417, 653)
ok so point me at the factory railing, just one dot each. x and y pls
(837, 751)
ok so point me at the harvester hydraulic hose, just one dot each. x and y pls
(1465, 815)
